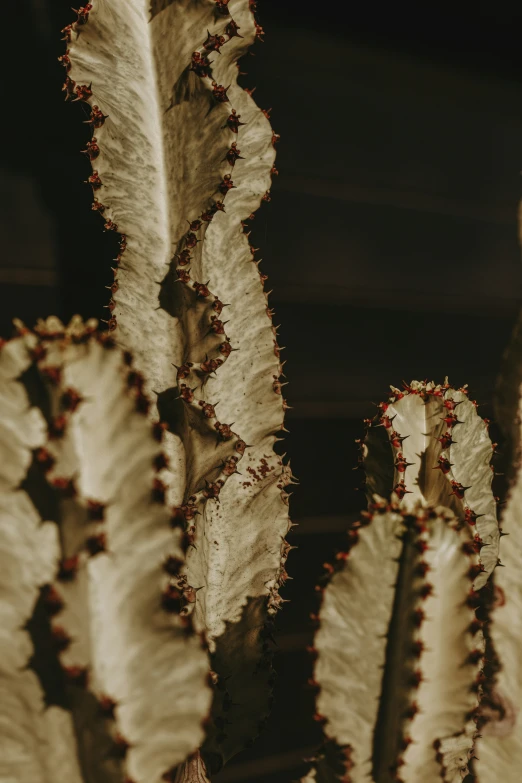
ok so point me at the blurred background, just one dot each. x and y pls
(390, 242)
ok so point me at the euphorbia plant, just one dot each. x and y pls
(399, 649)
(428, 443)
(405, 662)
(182, 158)
(103, 678)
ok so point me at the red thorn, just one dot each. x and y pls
(52, 600)
(233, 154)
(96, 544)
(458, 489)
(68, 569)
(444, 465)
(83, 13)
(65, 486)
(92, 149)
(107, 706)
(83, 92)
(77, 676)
(95, 510)
(233, 122)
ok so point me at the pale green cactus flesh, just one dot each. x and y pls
(399, 650)
(88, 595)
(182, 157)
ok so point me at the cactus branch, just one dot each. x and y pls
(428, 443)
(399, 685)
(116, 622)
(184, 157)
(38, 741)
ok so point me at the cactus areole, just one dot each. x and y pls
(182, 157)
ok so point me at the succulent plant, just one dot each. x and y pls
(104, 679)
(143, 544)
(399, 649)
(428, 443)
(405, 661)
(182, 158)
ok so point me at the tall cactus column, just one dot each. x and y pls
(182, 157)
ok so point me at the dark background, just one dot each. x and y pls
(390, 241)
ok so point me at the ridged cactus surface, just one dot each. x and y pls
(406, 665)
(104, 679)
(182, 157)
(499, 751)
(428, 443)
(399, 650)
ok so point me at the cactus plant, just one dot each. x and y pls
(167, 117)
(103, 679)
(405, 615)
(398, 620)
(428, 443)
(182, 158)
(111, 598)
